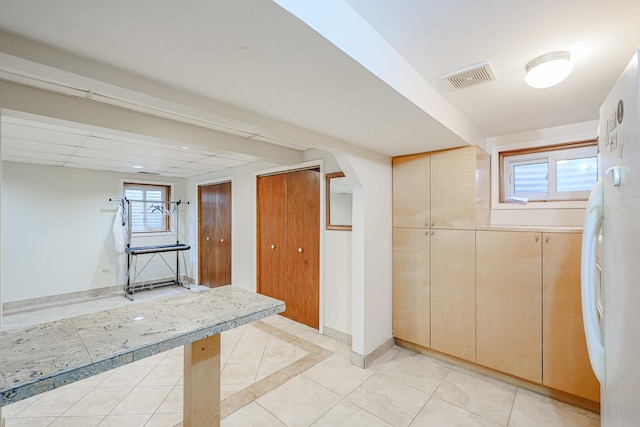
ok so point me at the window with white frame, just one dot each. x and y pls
(149, 207)
(555, 173)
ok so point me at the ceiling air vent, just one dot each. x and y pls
(471, 75)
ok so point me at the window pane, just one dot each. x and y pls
(576, 174)
(531, 179)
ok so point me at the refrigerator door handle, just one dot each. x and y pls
(592, 331)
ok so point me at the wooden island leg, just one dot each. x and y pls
(202, 383)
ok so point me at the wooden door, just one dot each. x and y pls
(411, 285)
(453, 292)
(272, 237)
(214, 234)
(566, 361)
(411, 191)
(509, 303)
(303, 235)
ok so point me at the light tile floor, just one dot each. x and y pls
(277, 372)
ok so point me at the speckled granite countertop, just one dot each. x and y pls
(39, 358)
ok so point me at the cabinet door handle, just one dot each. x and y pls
(273, 246)
(221, 240)
(208, 238)
(300, 250)
(433, 224)
(537, 237)
(546, 239)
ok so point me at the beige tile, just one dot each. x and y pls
(483, 398)
(29, 422)
(93, 381)
(312, 336)
(239, 373)
(346, 413)
(99, 401)
(88, 421)
(267, 369)
(173, 403)
(127, 376)
(251, 415)
(125, 420)
(246, 354)
(337, 347)
(386, 358)
(438, 413)
(54, 403)
(393, 401)
(164, 420)
(175, 355)
(165, 374)
(559, 404)
(227, 390)
(253, 337)
(300, 353)
(421, 372)
(529, 411)
(15, 408)
(142, 400)
(338, 374)
(277, 350)
(485, 378)
(299, 401)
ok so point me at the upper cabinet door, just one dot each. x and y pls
(412, 191)
(453, 189)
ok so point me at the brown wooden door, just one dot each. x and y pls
(289, 242)
(214, 239)
(303, 217)
(272, 237)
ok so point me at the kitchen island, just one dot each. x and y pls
(43, 357)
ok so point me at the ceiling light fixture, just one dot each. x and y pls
(184, 147)
(548, 70)
(137, 167)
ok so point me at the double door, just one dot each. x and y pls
(289, 242)
(214, 240)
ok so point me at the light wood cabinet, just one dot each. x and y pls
(460, 188)
(412, 191)
(453, 292)
(411, 285)
(509, 303)
(566, 364)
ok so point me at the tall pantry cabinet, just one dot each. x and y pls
(438, 199)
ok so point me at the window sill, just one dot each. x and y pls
(574, 204)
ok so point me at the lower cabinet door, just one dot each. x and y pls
(453, 293)
(509, 303)
(411, 285)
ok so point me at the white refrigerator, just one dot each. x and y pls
(613, 332)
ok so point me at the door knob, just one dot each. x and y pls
(300, 250)
(221, 240)
(273, 246)
(208, 238)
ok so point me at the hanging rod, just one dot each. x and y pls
(149, 201)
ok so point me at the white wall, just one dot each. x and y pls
(556, 214)
(57, 230)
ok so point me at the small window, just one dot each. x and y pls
(561, 172)
(149, 207)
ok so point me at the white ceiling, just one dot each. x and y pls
(253, 67)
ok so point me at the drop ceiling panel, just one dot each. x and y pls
(25, 155)
(10, 158)
(140, 149)
(219, 161)
(49, 136)
(200, 167)
(42, 147)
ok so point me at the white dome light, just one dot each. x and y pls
(548, 70)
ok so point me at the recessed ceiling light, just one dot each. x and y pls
(184, 147)
(137, 167)
(548, 70)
